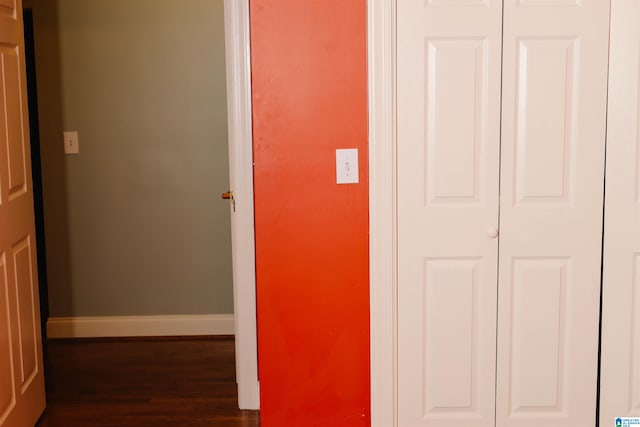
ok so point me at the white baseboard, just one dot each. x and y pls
(140, 326)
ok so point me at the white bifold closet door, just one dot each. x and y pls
(620, 374)
(514, 342)
(448, 110)
(554, 97)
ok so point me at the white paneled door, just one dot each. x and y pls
(21, 371)
(620, 375)
(448, 109)
(501, 114)
(554, 98)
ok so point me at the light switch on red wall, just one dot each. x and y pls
(347, 166)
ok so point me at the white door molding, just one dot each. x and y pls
(382, 210)
(238, 62)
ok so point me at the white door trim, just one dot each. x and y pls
(382, 210)
(238, 62)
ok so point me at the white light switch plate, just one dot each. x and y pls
(347, 166)
(71, 145)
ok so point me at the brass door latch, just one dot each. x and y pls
(229, 196)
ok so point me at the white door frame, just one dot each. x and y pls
(382, 210)
(238, 63)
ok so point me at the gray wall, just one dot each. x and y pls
(134, 223)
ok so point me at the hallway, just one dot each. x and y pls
(143, 382)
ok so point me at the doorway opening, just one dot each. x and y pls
(158, 161)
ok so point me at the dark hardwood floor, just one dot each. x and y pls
(143, 383)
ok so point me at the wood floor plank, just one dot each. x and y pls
(142, 383)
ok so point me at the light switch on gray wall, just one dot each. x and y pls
(71, 144)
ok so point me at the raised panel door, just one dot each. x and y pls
(448, 112)
(551, 196)
(22, 397)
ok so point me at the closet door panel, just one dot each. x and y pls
(620, 369)
(552, 173)
(448, 110)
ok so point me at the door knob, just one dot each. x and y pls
(492, 232)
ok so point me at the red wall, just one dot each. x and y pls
(309, 98)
